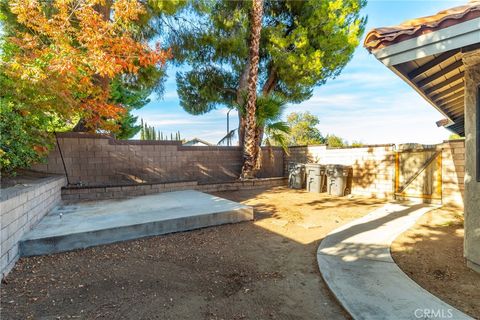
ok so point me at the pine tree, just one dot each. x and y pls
(142, 130)
(297, 52)
(147, 132)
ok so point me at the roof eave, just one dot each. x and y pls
(422, 94)
(453, 37)
(436, 42)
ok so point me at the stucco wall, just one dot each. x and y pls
(21, 208)
(472, 186)
(98, 161)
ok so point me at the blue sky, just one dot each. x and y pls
(367, 102)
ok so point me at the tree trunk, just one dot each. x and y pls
(241, 129)
(271, 82)
(103, 82)
(258, 141)
(251, 148)
(81, 126)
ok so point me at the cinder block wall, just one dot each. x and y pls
(453, 172)
(101, 161)
(97, 160)
(102, 193)
(21, 209)
(373, 166)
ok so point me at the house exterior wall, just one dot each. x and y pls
(94, 160)
(472, 185)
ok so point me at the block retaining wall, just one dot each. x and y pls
(95, 160)
(118, 192)
(142, 167)
(21, 208)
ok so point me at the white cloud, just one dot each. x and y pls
(169, 122)
(375, 117)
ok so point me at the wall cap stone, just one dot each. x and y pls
(348, 147)
(17, 190)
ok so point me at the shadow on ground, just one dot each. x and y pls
(265, 269)
(431, 253)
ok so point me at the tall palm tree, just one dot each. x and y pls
(250, 146)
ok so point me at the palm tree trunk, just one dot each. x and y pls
(250, 147)
(242, 88)
(258, 141)
(241, 129)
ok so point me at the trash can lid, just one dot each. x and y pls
(314, 165)
(338, 166)
(292, 164)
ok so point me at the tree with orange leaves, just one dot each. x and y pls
(72, 61)
(77, 47)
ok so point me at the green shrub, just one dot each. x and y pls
(23, 139)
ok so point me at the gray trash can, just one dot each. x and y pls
(337, 176)
(296, 175)
(315, 177)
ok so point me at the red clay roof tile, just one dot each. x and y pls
(382, 37)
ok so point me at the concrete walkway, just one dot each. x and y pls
(356, 264)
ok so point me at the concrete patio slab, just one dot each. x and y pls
(356, 264)
(87, 224)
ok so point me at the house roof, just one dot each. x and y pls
(382, 37)
(197, 140)
(427, 54)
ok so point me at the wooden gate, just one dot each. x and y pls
(418, 175)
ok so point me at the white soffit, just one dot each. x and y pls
(422, 94)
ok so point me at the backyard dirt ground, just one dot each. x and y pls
(265, 269)
(431, 253)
